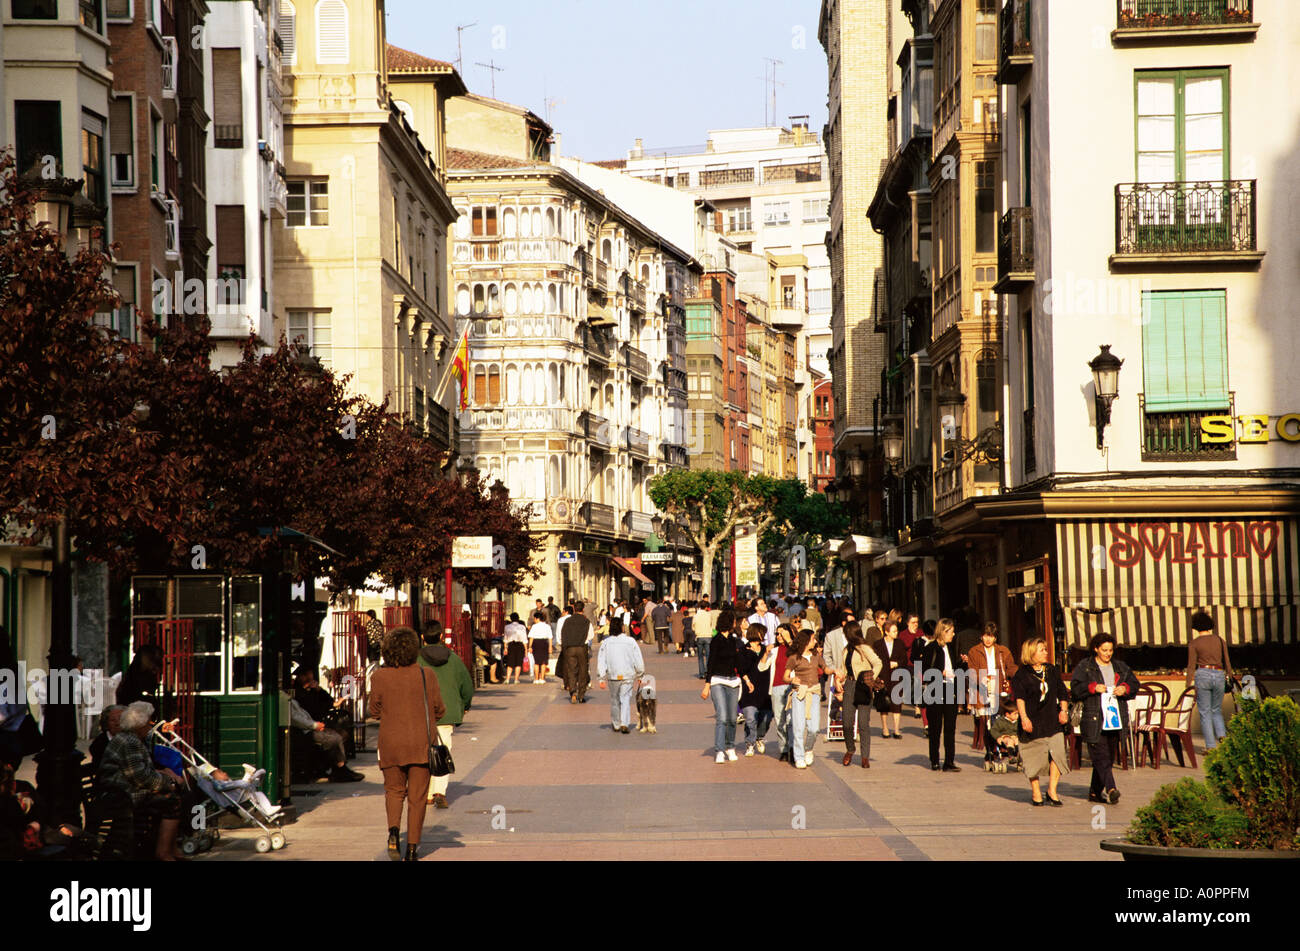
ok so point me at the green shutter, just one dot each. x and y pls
(1185, 351)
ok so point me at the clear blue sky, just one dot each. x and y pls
(665, 71)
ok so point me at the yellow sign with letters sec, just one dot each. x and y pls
(1249, 429)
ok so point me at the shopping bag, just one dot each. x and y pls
(528, 662)
(1110, 719)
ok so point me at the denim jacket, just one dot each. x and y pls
(620, 659)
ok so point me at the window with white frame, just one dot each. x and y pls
(307, 203)
(312, 329)
(121, 141)
(776, 213)
(816, 209)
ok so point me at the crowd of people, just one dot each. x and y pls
(775, 665)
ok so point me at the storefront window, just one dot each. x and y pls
(245, 634)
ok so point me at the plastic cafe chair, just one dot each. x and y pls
(1143, 725)
(1180, 730)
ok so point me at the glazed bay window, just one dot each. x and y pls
(307, 203)
(92, 158)
(1184, 373)
(34, 9)
(1183, 200)
(39, 141)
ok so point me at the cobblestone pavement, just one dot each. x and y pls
(539, 778)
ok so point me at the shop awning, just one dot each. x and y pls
(632, 570)
(1141, 580)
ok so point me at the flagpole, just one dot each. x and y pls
(451, 363)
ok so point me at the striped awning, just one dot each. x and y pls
(1141, 580)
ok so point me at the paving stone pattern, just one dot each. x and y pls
(539, 778)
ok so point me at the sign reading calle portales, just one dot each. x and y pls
(471, 551)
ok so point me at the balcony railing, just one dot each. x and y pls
(673, 378)
(1017, 52)
(599, 516)
(637, 523)
(583, 263)
(637, 441)
(674, 455)
(602, 275)
(1027, 435)
(518, 419)
(1183, 218)
(1176, 437)
(638, 364)
(595, 429)
(1015, 250)
(596, 343)
(1147, 15)
(947, 487)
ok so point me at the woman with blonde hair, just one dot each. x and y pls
(1043, 701)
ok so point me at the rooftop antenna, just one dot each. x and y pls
(460, 59)
(492, 65)
(774, 63)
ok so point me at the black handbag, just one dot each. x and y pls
(862, 692)
(440, 761)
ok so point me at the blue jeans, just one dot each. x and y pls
(782, 717)
(1209, 703)
(702, 646)
(756, 723)
(620, 702)
(805, 715)
(725, 700)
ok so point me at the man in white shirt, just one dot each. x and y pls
(766, 618)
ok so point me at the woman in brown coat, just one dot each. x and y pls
(399, 693)
(995, 667)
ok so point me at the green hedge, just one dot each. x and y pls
(1252, 799)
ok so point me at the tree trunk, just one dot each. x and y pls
(706, 583)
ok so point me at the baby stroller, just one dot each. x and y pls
(1001, 746)
(243, 796)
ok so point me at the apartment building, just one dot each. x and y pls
(57, 87)
(567, 297)
(855, 37)
(144, 160)
(361, 255)
(1146, 279)
(771, 191)
(246, 188)
(823, 417)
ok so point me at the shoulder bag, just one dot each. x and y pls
(440, 761)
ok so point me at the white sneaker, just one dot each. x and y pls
(808, 759)
(749, 751)
(731, 755)
(720, 758)
(800, 765)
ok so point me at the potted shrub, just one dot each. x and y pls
(1249, 805)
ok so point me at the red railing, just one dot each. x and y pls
(348, 676)
(177, 686)
(488, 617)
(398, 616)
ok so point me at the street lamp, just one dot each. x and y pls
(1105, 368)
(894, 447)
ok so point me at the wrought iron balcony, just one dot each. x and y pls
(596, 344)
(1212, 219)
(674, 455)
(595, 429)
(1176, 437)
(1017, 53)
(637, 442)
(1015, 250)
(1171, 17)
(637, 523)
(638, 364)
(599, 516)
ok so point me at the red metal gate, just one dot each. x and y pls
(399, 616)
(177, 687)
(348, 676)
(487, 618)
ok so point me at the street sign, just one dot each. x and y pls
(568, 556)
(471, 551)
